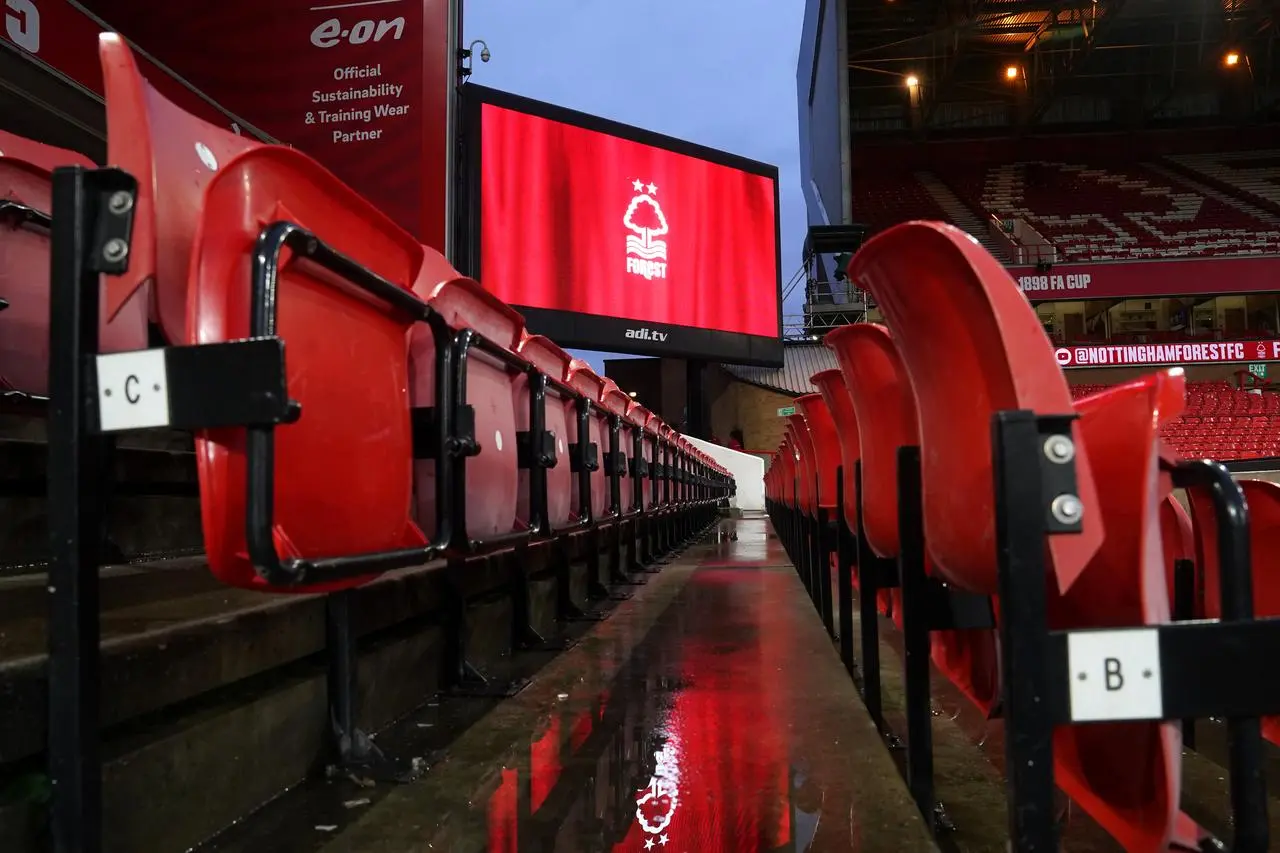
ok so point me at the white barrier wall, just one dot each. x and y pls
(747, 470)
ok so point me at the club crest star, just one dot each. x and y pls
(637, 185)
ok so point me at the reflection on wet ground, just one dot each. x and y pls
(709, 713)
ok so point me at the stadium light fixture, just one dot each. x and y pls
(912, 81)
(1232, 59)
(1011, 73)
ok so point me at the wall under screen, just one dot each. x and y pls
(617, 334)
(551, 234)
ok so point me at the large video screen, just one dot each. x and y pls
(609, 237)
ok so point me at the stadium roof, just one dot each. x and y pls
(992, 63)
(799, 362)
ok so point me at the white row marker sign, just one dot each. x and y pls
(133, 390)
(1115, 675)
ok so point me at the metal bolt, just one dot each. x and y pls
(115, 250)
(1060, 449)
(1067, 509)
(120, 202)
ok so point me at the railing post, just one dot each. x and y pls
(92, 220)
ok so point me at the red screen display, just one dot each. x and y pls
(578, 220)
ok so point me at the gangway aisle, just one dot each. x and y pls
(709, 713)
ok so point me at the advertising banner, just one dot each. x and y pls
(1150, 279)
(655, 245)
(361, 87)
(1215, 352)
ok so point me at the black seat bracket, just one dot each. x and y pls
(541, 454)
(584, 457)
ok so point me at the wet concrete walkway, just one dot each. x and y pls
(709, 713)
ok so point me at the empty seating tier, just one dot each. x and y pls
(357, 405)
(1027, 537)
(1253, 175)
(1219, 422)
(881, 201)
(1098, 213)
(1187, 206)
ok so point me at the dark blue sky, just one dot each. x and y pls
(717, 72)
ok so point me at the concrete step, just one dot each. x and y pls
(153, 507)
(958, 212)
(213, 700)
(217, 696)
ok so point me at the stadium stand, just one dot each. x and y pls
(1186, 206)
(881, 201)
(1255, 175)
(455, 434)
(1101, 213)
(458, 435)
(1123, 766)
(1219, 422)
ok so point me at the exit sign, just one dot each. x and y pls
(786, 410)
(1258, 370)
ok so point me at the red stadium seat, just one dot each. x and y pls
(616, 402)
(1264, 532)
(174, 155)
(826, 446)
(886, 417)
(639, 416)
(27, 166)
(653, 491)
(591, 386)
(423, 380)
(831, 385)
(1126, 775)
(358, 404)
(826, 461)
(806, 470)
(680, 456)
(561, 411)
(971, 346)
(212, 219)
(695, 462)
(980, 350)
(486, 501)
(671, 495)
(26, 175)
(787, 459)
